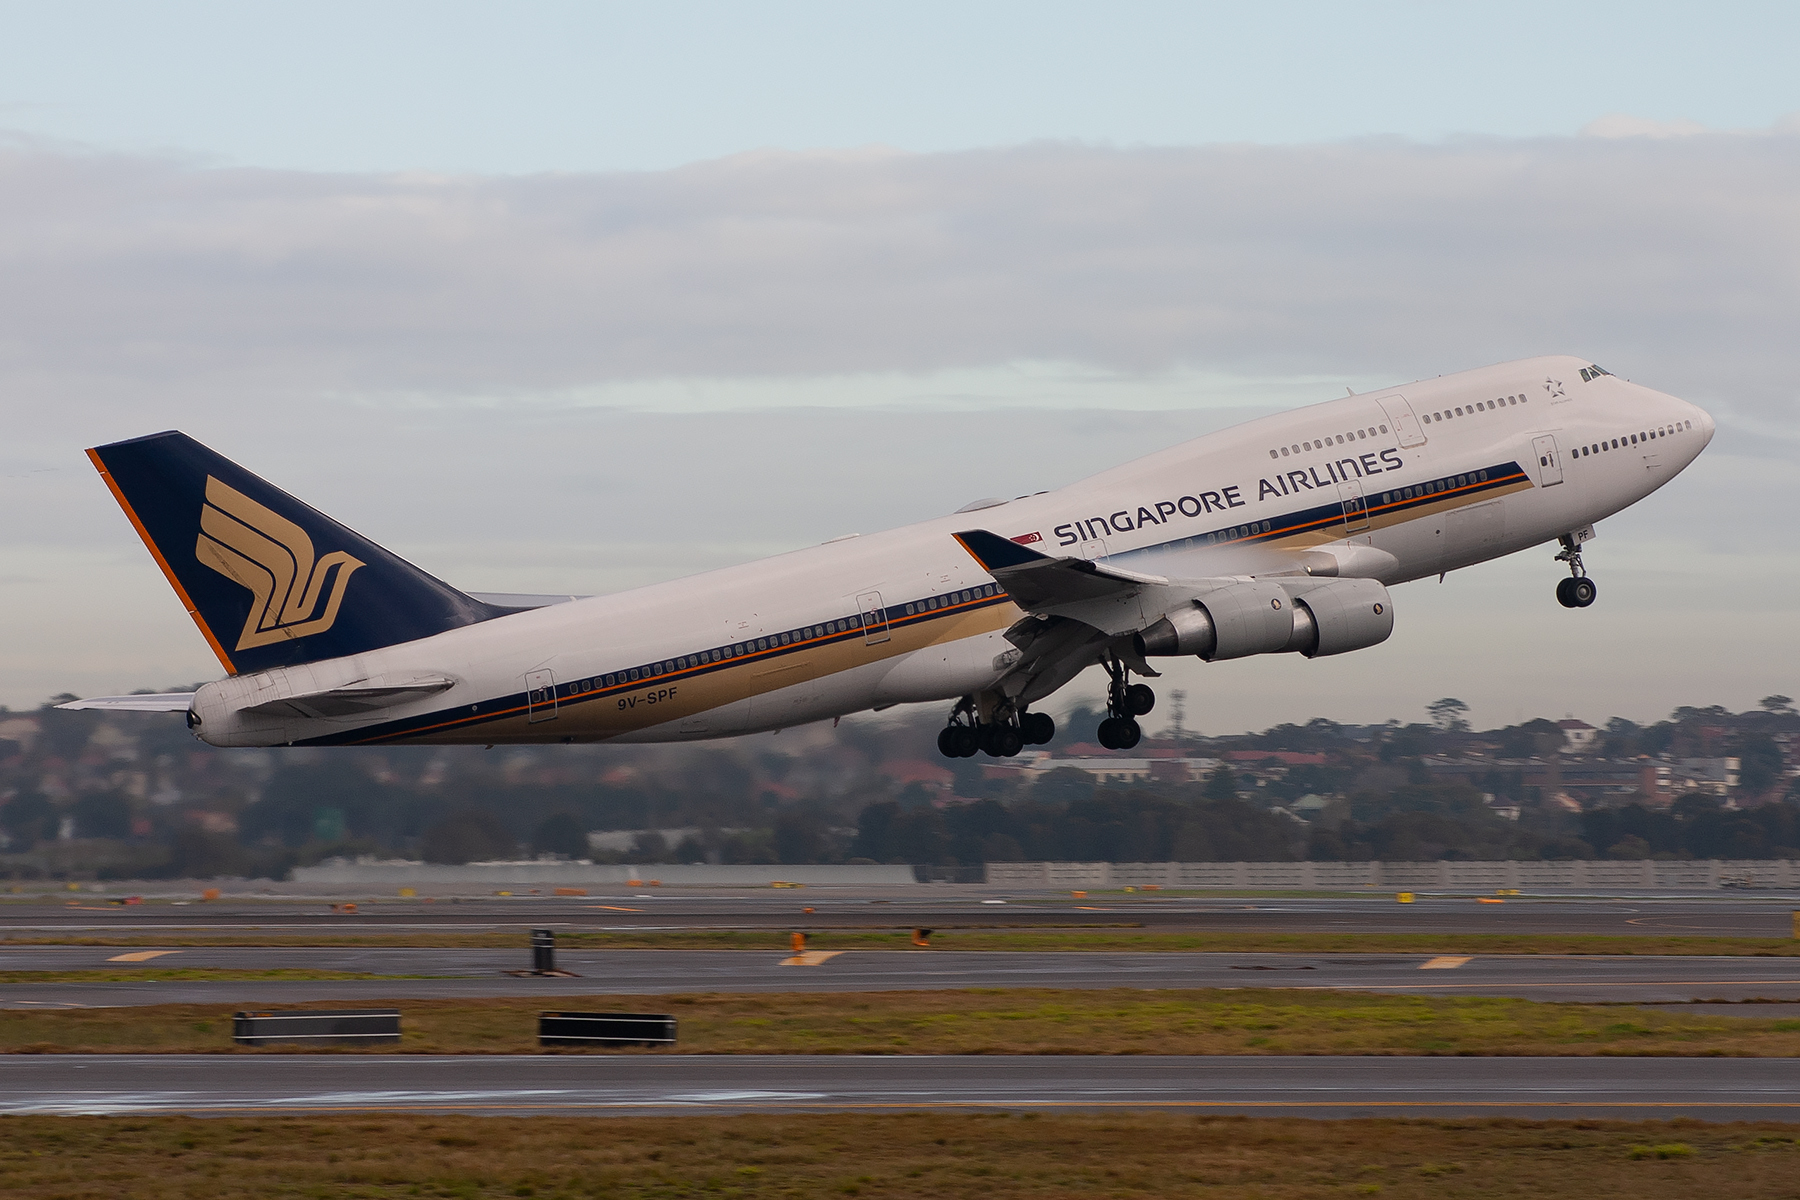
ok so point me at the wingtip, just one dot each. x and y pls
(994, 552)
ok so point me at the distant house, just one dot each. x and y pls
(1712, 776)
(930, 775)
(1577, 735)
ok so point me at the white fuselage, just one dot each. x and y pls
(905, 616)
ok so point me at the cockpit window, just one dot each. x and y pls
(1593, 372)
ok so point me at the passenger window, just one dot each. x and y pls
(1274, 454)
(1384, 429)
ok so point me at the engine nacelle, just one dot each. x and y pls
(1241, 619)
(1349, 614)
(1260, 617)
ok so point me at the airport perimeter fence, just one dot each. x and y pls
(1402, 876)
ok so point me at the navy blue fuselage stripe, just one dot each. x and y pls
(1325, 516)
(571, 692)
(896, 616)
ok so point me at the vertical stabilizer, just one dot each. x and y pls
(270, 581)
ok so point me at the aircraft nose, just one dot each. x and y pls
(1702, 420)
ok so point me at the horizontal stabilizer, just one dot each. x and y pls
(147, 702)
(352, 700)
(1036, 581)
(511, 602)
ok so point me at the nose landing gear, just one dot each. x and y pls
(1578, 591)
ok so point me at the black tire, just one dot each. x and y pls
(947, 742)
(1038, 728)
(1007, 741)
(967, 740)
(1128, 734)
(1584, 592)
(1140, 699)
(1108, 733)
(1565, 593)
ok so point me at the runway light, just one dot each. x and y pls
(798, 942)
(921, 937)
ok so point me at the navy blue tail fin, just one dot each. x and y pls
(270, 581)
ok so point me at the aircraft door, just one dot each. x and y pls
(1356, 508)
(1549, 464)
(874, 618)
(540, 696)
(1401, 420)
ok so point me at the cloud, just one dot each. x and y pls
(1672, 257)
(1624, 125)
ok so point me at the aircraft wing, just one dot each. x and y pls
(1037, 582)
(148, 702)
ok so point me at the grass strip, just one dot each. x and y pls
(1020, 938)
(1249, 1021)
(964, 1154)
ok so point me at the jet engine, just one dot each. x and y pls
(1263, 617)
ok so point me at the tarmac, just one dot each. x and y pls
(418, 973)
(1713, 1089)
(945, 907)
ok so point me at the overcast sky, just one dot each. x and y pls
(580, 297)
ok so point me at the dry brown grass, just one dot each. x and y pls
(988, 1021)
(1048, 1157)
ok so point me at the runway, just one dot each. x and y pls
(1644, 1088)
(450, 974)
(946, 908)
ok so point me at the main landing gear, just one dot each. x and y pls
(1125, 701)
(1578, 591)
(1004, 734)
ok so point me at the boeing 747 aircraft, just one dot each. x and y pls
(1281, 535)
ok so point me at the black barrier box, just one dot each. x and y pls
(317, 1027)
(605, 1029)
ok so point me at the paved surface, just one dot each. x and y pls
(475, 973)
(942, 907)
(1711, 1089)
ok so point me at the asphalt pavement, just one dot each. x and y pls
(1660, 1088)
(945, 907)
(448, 974)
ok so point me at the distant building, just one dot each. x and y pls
(1578, 736)
(1109, 768)
(1711, 776)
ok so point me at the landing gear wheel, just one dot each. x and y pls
(947, 742)
(1038, 728)
(1139, 699)
(1582, 592)
(1003, 741)
(1106, 735)
(1565, 589)
(966, 739)
(1119, 733)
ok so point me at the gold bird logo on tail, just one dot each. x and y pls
(271, 556)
